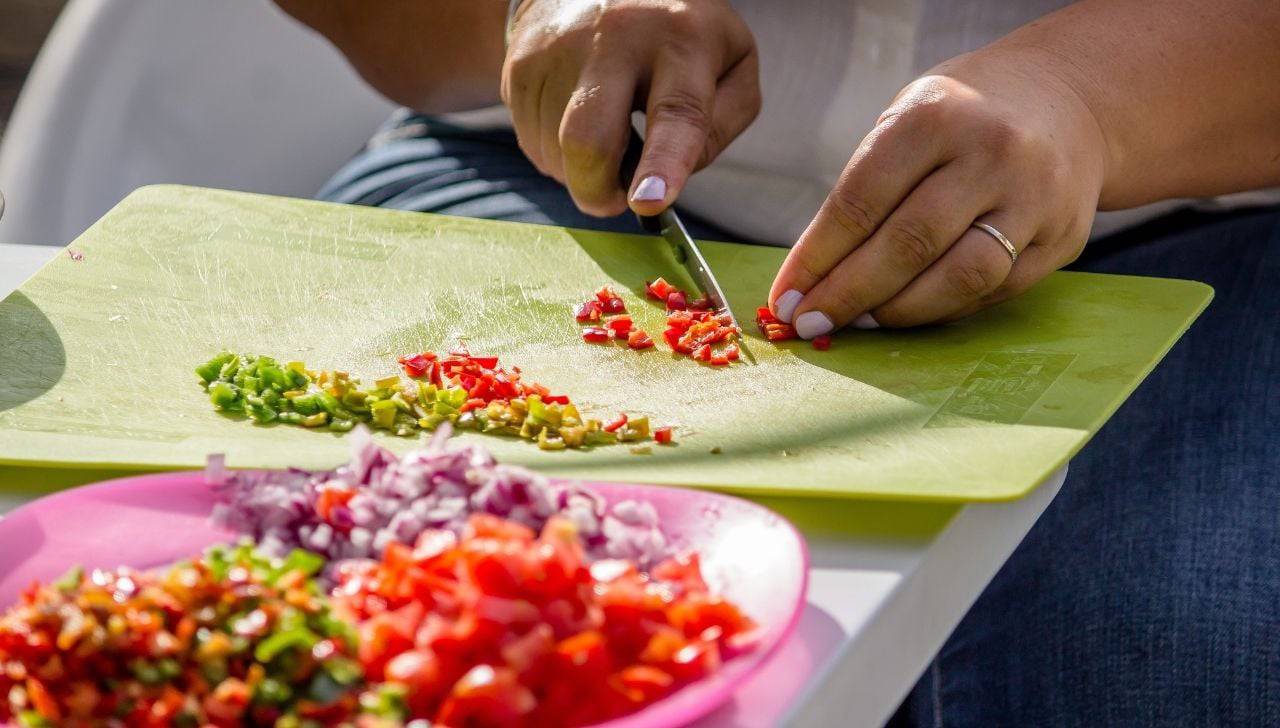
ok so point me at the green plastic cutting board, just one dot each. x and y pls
(97, 354)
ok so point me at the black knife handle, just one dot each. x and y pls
(627, 175)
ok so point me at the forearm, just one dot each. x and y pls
(435, 56)
(1184, 92)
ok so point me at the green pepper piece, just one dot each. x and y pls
(342, 425)
(229, 368)
(307, 404)
(225, 396)
(69, 581)
(32, 719)
(268, 649)
(302, 560)
(384, 413)
(273, 692)
(260, 412)
(209, 370)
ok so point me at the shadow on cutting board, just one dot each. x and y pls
(32, 358)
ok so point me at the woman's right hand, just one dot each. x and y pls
(576, 69)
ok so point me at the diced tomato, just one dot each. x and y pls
(659, 290)
(616, 424)
(822, 343)
(330, 498)
(419, 671)
(677, 301)
(662, 435)
(638, 339)
(588, 311)
(595, 335)
(486, 696)
(643, 683)
(620, 325)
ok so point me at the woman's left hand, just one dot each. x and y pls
(995, 136)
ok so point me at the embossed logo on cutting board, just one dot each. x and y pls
(1001, 388)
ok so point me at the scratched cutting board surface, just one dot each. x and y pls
(97, 354)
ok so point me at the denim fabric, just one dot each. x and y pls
(1149, 592)
(426, 165)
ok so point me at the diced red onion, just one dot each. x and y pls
(397, 499)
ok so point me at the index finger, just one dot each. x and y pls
(882, 172)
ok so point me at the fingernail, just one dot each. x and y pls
(650, 189)
(785, 307)
(866, 322)
(812, 323)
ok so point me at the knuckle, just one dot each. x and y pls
(685, 107)
(912, 243)
(852, 212)
(971, 280)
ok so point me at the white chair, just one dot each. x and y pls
(220, 93)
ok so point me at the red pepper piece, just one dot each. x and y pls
(779, 332)
(765, 316)
(556, 399)
(703, 353)
(659, 289)
(731, 352)
(719, 360)
(672, 337)
(700, 304)
(620, 325)
(822, 343)
(616, 424)
(595, 335)
(662, 435)
(638, 339)
(474, 403)
(415, 366)
(488, 362)
(677, 301)
(588, 311)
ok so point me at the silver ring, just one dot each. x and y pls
(1000, 238)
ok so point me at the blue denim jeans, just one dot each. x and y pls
(1149, 592)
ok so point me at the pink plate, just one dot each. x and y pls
(750, 554)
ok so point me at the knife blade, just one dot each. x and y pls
(668, 225)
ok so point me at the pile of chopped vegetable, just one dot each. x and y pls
(607, 320)
(775, 329)
(471, 392)
(693, 329)
(357, 510)
(501, 626)
(230, 639)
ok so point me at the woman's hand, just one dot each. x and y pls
(995, 137)
(576, 69)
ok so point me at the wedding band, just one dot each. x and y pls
(1000, 238)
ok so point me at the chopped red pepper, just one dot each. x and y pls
(662, 435)
(638, 339)
(703, 353)
(488, 362)
(731, 352)
(616, 424)
(620, 325)
(595, 335)
(588, 311)
(822, 343)
(659, 289)
(556, 399)
(416, 365)
(677, 301)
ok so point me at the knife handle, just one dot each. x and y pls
(627, 174)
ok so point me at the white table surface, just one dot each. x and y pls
(880, 605)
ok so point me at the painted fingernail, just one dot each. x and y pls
(866, 322)
(650, 189)
(812, 323)
(785, 307)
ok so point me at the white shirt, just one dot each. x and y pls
(828, 68)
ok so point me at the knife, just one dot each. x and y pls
(667, 224)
